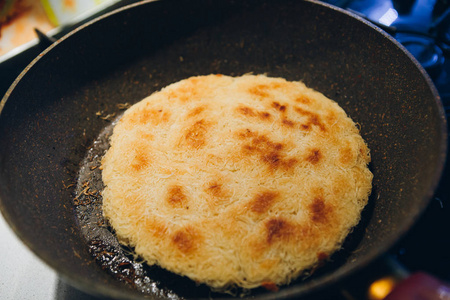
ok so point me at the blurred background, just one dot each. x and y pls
(20, 18)
(27, 27)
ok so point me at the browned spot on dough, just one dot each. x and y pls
(193, 80)
(263, 201)
(195, 136)
(262, 142)
(150, 115)
(259, 90)
(302, 111)
(319, 210)
(146, 135)
(186, 240)
(218, 196)
(275, 160)
(331, 117)
(141, 158)
(346, 156)
(278, 229)
(269, 152)
(191, 90)
(263, 90)
(314, 156)
(140, 162)
(288, 123)
(272, 158)
(249, 112)
(245, 134)
(313, 119)
(215, 189)
(278, 106)
(264, 115)
(289, 163)
(176, 197)
(276, 85)
(156, 228)
(303, 99)
(196, 111)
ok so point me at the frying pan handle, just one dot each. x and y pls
(44, 40)
(389, 280)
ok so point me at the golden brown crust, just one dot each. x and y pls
(242, 181)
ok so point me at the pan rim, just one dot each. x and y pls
(339, 274)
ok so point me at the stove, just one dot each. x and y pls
(421, 26)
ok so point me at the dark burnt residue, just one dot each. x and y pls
(119, 261)
(120, 267)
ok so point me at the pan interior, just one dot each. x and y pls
(58, 110)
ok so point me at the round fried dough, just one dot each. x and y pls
(235, 181)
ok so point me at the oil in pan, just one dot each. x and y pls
(120, 261)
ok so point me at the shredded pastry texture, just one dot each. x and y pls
(235, 181)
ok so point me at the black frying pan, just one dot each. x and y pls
(53, 113)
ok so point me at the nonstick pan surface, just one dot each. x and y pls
(65, 99)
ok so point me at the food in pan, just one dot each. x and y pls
(235, 181)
